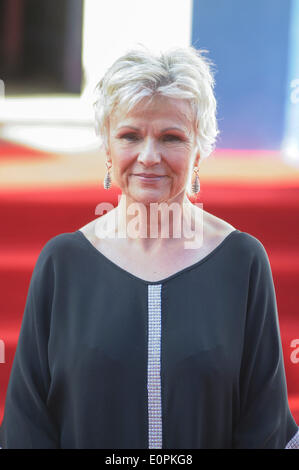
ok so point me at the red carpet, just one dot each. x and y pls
(11, 151)
(30, 218)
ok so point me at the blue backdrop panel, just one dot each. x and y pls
(248, 42)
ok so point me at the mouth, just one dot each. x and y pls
(148, 177)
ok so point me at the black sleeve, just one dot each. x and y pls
(27, 423)
(265, 419)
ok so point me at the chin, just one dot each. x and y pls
(148, 198)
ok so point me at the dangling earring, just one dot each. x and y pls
(196, 184)
(107, 179)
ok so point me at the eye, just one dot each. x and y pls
(171, 138)
(130, 136)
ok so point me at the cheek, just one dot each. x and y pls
(121, 160)
(179, 161)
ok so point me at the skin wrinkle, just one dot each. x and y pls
(146, 102)
(142, 107)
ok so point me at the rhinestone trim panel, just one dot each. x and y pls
(294, 442)
(154, 367)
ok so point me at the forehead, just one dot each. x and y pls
(160, 110)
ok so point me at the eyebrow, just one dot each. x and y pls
(163, 130)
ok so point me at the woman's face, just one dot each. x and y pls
(154, 138)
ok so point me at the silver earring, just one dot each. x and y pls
(107, 179)
(196, 184)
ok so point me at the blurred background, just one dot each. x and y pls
(53, 53)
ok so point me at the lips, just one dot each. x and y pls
(149, 175)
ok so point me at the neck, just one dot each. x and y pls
(155, 225)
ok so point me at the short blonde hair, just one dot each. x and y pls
(176, 73)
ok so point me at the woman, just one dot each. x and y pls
(132, 339)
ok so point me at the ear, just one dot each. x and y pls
(105, 148)
(197, 159)
(104, 151)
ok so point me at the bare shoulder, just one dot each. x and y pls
(215, 229)
(90, 229)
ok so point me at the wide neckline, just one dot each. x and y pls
(87, 243)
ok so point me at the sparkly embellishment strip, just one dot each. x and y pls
(154, 367)
(294, 442)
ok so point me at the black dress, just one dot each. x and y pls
(108, 360)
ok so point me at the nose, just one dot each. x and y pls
(149, 153)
